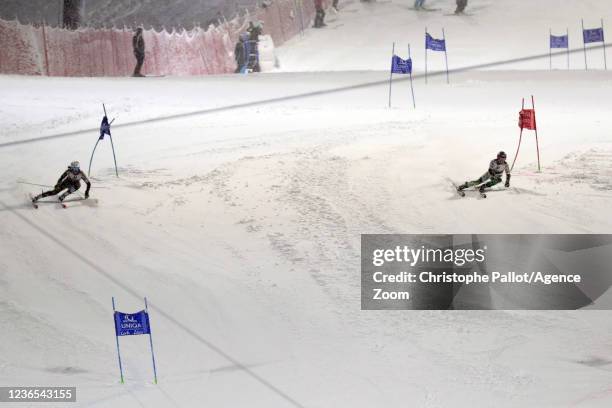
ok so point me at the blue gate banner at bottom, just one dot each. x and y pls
(130, 324)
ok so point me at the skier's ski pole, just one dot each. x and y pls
(47, 185)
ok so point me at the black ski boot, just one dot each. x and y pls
(481, 190)
(461, 188)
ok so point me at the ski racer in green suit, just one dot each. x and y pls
(497, 167)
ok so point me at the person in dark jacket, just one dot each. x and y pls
(138, 44)
(320, 14)
(461, 5)
(255, 30)
(240, 53)
(252, 46)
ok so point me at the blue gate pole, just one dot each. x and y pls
(426, 55)
(445, 56)
(114, 157)
(391, 74)
(112, 145)
(91, 158)
(151, 341)
(411, 87)
(117, 339)
(586, 67)
(603, 42)
(568, 53)
(550, 48)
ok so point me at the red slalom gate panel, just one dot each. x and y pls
(527, 119)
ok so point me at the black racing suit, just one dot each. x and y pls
(70, 182)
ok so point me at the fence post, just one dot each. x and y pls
(280, 20)
(44, 33)
(112, 50)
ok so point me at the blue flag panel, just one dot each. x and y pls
(130, 324)
(561, 41)
(433, 44)
(401, 66)
(104, 128)
(591, 35)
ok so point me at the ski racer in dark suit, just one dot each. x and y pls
(70, 181)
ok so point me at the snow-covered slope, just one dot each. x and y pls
(238, 213)
(360, 37)
(245, 238)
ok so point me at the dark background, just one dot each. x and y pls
(150, 13)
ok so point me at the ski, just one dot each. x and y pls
(34, 204)
(456, 187)
(63, 204)
(459, 14)
(424, 9)
(461, 192)
(83, 201)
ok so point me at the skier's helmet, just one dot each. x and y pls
(501, 155)
(75, 167)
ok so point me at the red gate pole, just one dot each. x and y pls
(520, 138)
(536, 132)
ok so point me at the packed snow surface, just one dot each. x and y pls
(238, 212)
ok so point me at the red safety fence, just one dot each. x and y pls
(44, 50)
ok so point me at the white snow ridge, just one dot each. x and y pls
(241, 200)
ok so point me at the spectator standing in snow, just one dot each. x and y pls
(320, 14)
(240, 52)
(252, 57)
(418, 4)
(335, 5)
(461, 5)
(138, 45)
(255, 30)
